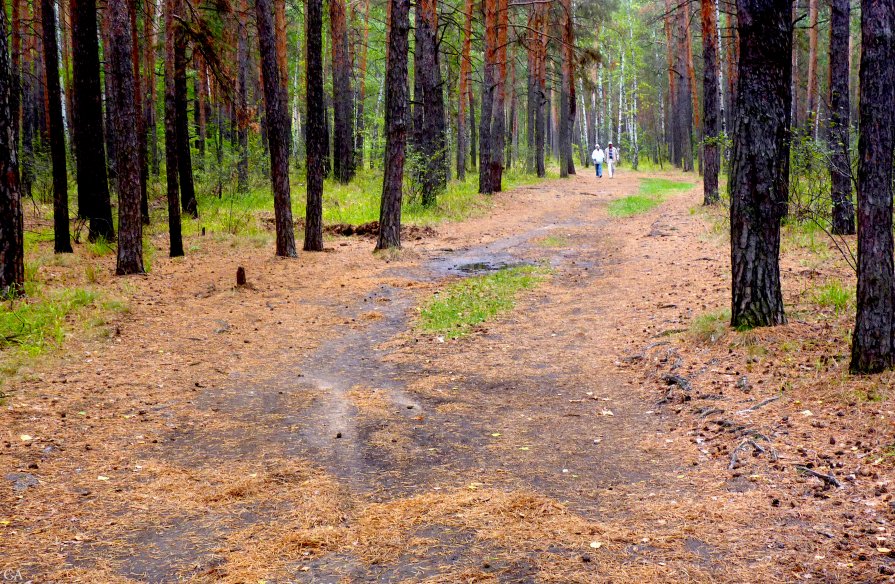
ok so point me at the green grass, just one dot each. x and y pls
(36, 324)
(355, 203)
(660, 187)
(101, 247)
(554, 241)
(652, 193)
(464, 304)
(833, 295)
(711, 326)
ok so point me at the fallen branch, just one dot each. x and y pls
(755, 445)
(677, 380)
(828, 479)
(756, 435)
(708, 411)
(642, 355)
(759, 405)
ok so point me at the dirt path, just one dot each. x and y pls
(301, 431)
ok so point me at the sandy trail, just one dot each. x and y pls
(301, 430)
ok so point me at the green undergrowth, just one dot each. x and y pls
(464, 304)
(651, 194)
(64, 294)
(224, 210)
(710, 327)
(833, 295)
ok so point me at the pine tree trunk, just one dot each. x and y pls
(840, 164)
(760, 163)
(360, 124)
(26, 167)
(61, 231)
(184, 156)
(796, 82)
(541, 95)
(173, 185)
(141, 130)
(465, 72)
(489, 88)
(277, 129)
(566, 101)
(199, 111)
(872, 343)
(733, 57)
(429, 132)
(149, 114)
(125, 124)
(15, 95)
(396, 109)
(12, 267)
(473, 137)
(343, 102)
(498, 112)
(531, 100)
(108, 82)
(314, 131)
(242, 102)
(94, 201)
(811, 112)
(711, 104)
(682, 111)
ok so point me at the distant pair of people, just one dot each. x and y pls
(609, 157)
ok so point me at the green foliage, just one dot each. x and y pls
(633, 205)
(652, 193)
(355, 203)
(711, 326)
(660, 187)
(809, 181)
(35, 324)
(477, 299)
(101, 247)
(834, 295)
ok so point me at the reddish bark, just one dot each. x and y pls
(465, 72)
(811, 104)
(343, 102)
(277, 129)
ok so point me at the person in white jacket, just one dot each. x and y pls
(598, 157)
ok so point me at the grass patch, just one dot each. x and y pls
(226, 211)
(710, 327)
(833, 295)
(475, 300)
(101, 247)
(554, 241)
(33, 325)
(651, 194)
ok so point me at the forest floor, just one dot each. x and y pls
(609, 428)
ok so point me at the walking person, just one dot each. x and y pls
(598, 157)
(611, 154)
